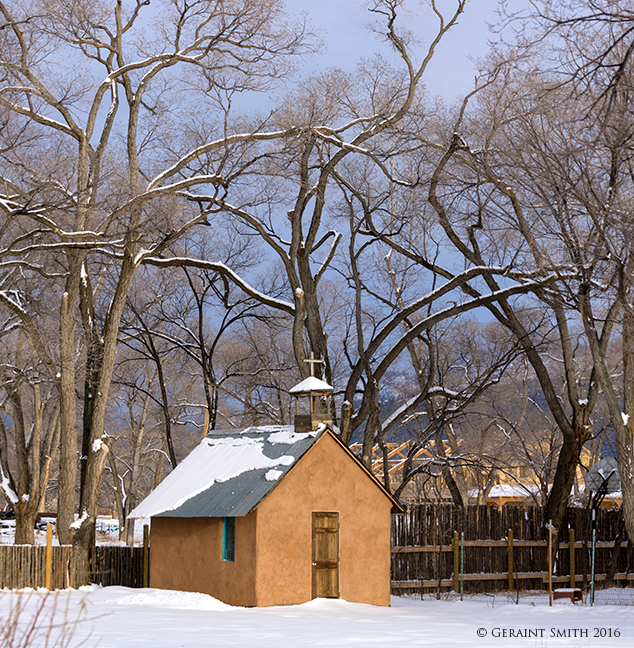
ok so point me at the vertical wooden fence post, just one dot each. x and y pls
(456, 562)
(573, 578)
(49, 556)
(510, 559)
(146, 555)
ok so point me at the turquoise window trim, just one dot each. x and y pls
(229, 539)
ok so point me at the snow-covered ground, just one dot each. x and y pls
(117, 617)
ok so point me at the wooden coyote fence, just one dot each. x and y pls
(25, 566)
(503, 549)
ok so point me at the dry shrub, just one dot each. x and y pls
(41, 619)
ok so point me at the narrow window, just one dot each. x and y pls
(229, 538)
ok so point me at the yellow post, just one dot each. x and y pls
(573, 579)
(146, 555)
(510, 559)
(550, 562)
(49, 556)
(456, 562)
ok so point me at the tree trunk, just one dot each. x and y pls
(25, 517)
(483, 491)
(372, 424)
(562, 485)
(82, 553)
(133, 488)
(458, 469)
(621, 413)
(118, 493)
(67, 480)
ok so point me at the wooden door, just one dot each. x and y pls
(325, 569)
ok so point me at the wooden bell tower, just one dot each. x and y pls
(319, 394)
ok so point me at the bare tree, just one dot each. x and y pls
(544, 189)
(400, 310)
(103, 194)
(601, 78)
(338, 123)
(29, 434)
(137, 440)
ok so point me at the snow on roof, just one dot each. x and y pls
(310, 384)
(526, 490)
(617, 493)
(509, 490)
(226, 474)
(290, 436)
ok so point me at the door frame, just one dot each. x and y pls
(314, 563)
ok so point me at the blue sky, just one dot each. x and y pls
(343, 27)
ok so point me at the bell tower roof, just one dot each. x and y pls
(310, 385)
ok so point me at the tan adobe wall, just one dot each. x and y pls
(186, 554)
(325, 479)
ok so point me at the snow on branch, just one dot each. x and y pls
(220, 143)
(329, 256)
(273, 302)
(404, 409)
(5, 487)
(439, 316)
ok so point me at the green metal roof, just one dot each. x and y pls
(239, 495)
(229, 473)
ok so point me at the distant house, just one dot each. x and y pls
(272, 516)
